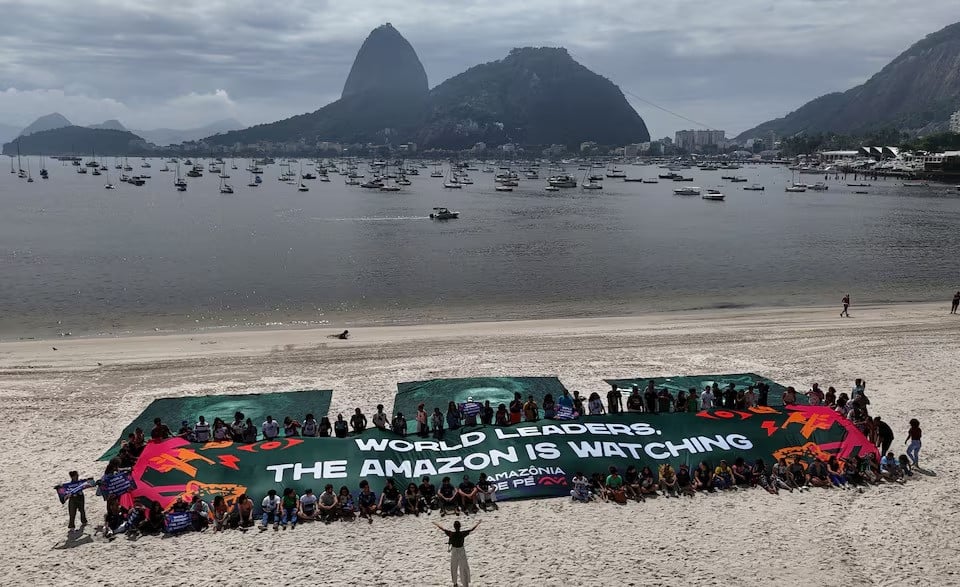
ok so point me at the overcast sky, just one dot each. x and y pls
(185, 63)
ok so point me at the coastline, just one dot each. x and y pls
(68, 409)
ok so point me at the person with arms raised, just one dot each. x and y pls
(458, 556)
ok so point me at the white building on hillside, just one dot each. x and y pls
(955, 122)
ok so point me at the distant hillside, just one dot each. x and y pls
(917, 91)
(533, 96)
(77, 140)
(170, 136)
(48, 122)
(111, 124)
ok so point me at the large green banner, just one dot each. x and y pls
(528, 460)
(172, 410)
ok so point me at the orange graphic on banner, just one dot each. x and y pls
(810, 425)
(180, 461)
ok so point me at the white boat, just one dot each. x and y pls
(441, 213)
(690, 191)
(754, 187)
(818, 187)
(592, 185)
(225, 187)
(651, 181)
(796, 189)
(452, 184)
(552, 188)
(562, 181)
(303, 188)
(109, 186)
(713, 195)
(505, 188)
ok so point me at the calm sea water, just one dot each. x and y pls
(77, 258)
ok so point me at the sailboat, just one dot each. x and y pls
(12, 170)
(109, 184)
(20, 172)
(179, 182)
(225, 187)
(43, 168)
(29, 177)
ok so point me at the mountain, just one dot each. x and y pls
(77, 140)
(917, 90)
(112, 124)
(170, 136)
(386, 63)
(535, 95)
(48, 122)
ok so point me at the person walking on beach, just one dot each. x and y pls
(846, 306)
(955, 303)
(458, 556)
(913, 437)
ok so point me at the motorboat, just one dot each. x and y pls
(389, 188)
(736, 179)
(109, 186)
(818, 187)
(505, 188)
(303, 188)
(441, 213)
(562, 181)
(690, 191)
(552, 188)
(651, 181)
(713, 195)
(795, 189)
(754, 187)
(592, 185)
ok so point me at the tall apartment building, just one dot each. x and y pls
(695, 140)
(955, 122)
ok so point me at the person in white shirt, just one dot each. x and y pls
(271, 510)
(308, 505)
(270, 428)
(381, 420)
(310, 426)
(201, 431)
(706, 399)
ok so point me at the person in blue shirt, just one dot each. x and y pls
(368, 502)
(565, 400)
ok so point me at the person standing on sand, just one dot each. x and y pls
(458, 556)
(955, 303)
(846, 306)
(913, 437)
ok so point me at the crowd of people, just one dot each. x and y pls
(287, 509)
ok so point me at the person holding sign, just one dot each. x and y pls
(458, 556)
(75, 501)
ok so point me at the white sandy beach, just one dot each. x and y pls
(66, 406)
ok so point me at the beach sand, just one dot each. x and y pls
(66, 406)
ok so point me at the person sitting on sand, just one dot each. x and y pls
(453, 416)
(723, 476)
(468, 492)
(411, 502)
(448, 497)
(668, 481)
(199, 514)
(761, 476)
(817, 475)
(799, 473)
(249, 432)
(595, 404)
(486, 492)
(358, 421)
(380, 419)
(270, 428)
(648, 483)
(242, 514)
(326, 428)
(631, 481)
(152, 523)
(328, 505)
(399, 424)
(115, 520)
(890, 468)
(598, 487)
(291, 427)
(308, 505)
(741, 472)
(220, 512)
(581, 488)
(635, 400)
(270, 506)
(781, 477)
(340, 427)
(310, 426)
(835, 472)
(201, 430)
(905, 467)
(348, 509)
(869, 469)
(684, 478)
(614, 487)
(367, 501)
(390, 504)
(428, 493)
(703, 478)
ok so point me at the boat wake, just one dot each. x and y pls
(372, 219)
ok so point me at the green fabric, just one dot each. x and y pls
(685, 382)
(437, 393)
(257, 406)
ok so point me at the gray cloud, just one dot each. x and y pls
(182, 63)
